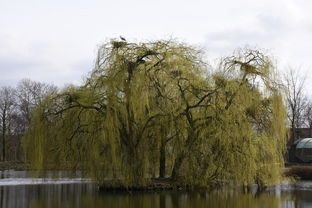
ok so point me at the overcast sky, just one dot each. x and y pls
(55, 41)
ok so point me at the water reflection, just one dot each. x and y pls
(86, 195)
(60, 195)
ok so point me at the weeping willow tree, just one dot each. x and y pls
(227, 121)
(154, 109)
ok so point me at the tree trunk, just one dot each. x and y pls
(133, 167)
(3, 135)
(162, 159)
(177, 165)
(293, 132)
(185, 151)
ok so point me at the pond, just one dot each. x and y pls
(19, 189)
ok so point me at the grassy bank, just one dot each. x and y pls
(301, 172)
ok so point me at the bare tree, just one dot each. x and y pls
(296, 100)
(308, 115)
(16, 106)
(7, 102)
(30, 94)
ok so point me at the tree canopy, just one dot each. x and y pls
(156, 109)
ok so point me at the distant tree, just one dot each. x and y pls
(16, 109)
(29, 95)
(7, 106)
(308, 115)
(296, 99)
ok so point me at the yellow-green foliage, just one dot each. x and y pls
(145, 98)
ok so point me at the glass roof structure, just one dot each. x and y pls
(305, 143)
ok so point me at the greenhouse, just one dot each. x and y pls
(304, 150)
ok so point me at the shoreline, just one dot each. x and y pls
(13, 165)
(156, 184)
(301, 172)
(296, 171)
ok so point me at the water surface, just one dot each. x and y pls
(19, 189)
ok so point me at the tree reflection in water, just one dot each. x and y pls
(87, 195)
